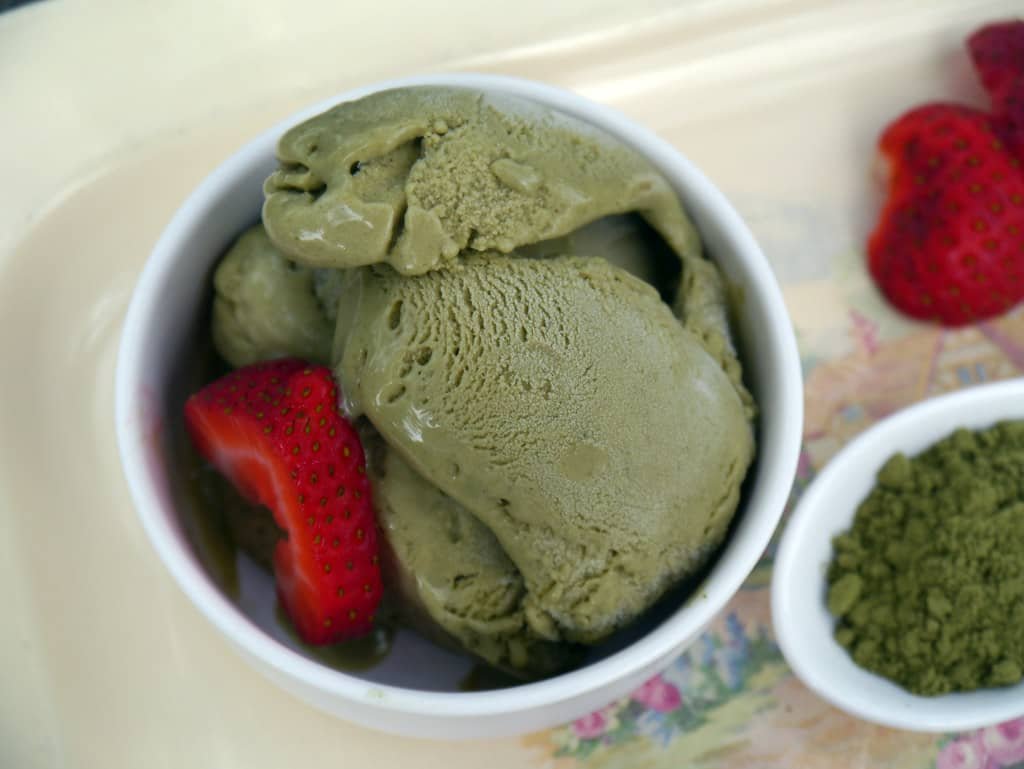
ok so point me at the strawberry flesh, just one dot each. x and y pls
(275, 431)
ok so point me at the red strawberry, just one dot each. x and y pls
(998, 54)
(275, 431)
(950, 241)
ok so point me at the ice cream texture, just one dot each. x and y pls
(265, 306)
(563, 404)
(414, 177)
(539, 353)
(448, 574)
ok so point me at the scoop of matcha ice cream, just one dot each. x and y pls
(414, 177)
(265, 306)
(449, 575)
(563, 404)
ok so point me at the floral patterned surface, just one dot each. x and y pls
(730, 699)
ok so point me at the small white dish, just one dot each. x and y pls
(417, 693)
(803, 625)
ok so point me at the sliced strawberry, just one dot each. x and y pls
(275, 431)
(998, 54)
(949, 245)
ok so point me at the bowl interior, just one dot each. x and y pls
(802, 621)
(154, 378)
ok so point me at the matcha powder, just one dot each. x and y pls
(928, 584)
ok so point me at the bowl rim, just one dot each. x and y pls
(911, 430)
(734, 564)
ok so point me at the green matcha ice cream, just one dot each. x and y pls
(265, 306)
(539, 356)
(563, 405)
(450, 575)
(415, 176)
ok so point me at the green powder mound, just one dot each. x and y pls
(928, 584)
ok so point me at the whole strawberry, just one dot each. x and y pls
(949, 245)
(275, 431)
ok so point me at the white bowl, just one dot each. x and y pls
(416, 691)
(803, 625)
